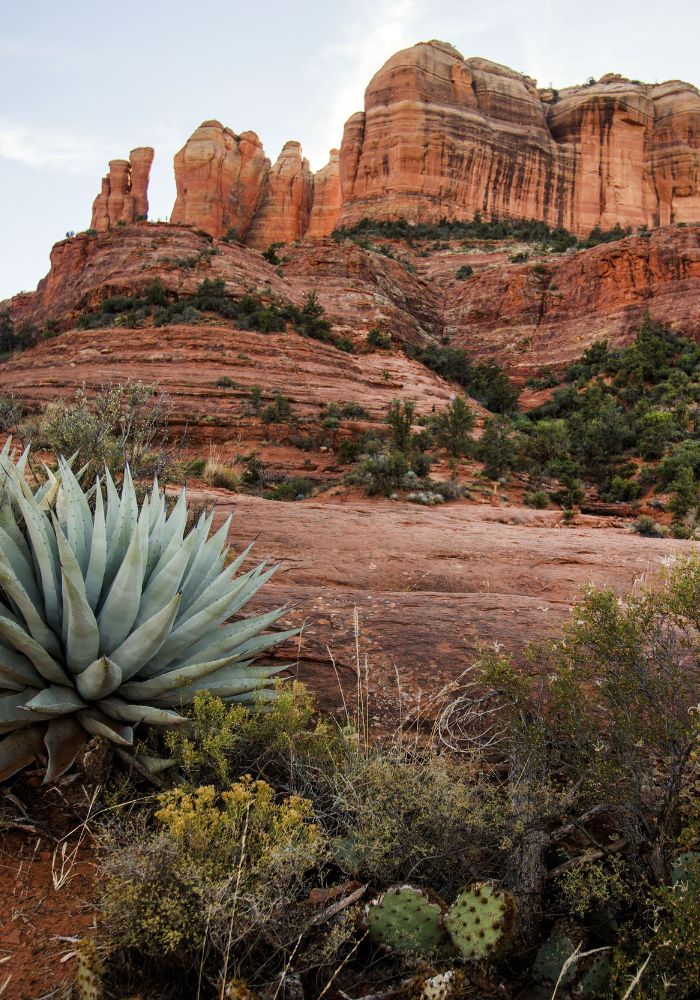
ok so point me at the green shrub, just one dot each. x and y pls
(270, 254)
(279, 411)
(123, 423)
(464, 272)
(195, 467)
(538, 499)
(452, 427)
(380, 473)
(295, 488)
(623, 490)
(648, 527)
(15, 338)
(353, 411)
(379, 339)
(10, 413)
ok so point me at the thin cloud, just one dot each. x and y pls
(41, 148)
(375, 32)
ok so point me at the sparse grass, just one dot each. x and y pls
(223, 475)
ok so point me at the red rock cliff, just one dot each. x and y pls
(446, 136)
(442, 135)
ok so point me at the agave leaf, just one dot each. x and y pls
(124, 711)
(81, 636)
(198, 575)
(94, 577)
(64, 740)
(189, 632)
(155, 543)
(19, 749)
(156, 504)
(122, 602)
(100, 679)
(80, 502)
(46, 495)
(113, 504)
(179, 678)
(155, 765)
(45, 554)
(220, 585)
(15, 635)
(164, 582)
(123, 532)
(175, 524)
(98, 724)
(145, 641)
(9, 525)
(260, 697)
(236, 679)
(20, 561)
(17, 668)
(38, 628)
(55, 700)
(231, 636)
(12, 706)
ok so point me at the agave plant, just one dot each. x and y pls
(111, 616)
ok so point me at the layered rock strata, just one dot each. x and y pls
(441, 135)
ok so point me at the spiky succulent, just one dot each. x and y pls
(111, 616)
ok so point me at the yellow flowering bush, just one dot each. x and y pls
(219, 868)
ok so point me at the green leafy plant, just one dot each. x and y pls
(112, 617)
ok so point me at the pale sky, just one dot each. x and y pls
(83, 82)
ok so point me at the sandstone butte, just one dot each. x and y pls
(444, 136)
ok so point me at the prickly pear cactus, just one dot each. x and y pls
(405, 920)
(550, 960)
(88, 978)
(686, 871)
(596, 981)
(480, 921)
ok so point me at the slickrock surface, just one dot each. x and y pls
(441, 135)
(429, 584)
(124, 194)
(187, 361)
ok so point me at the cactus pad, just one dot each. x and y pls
(480, 921)
(88, 972)
(405, 920)
(550, 960)
(596, 982)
